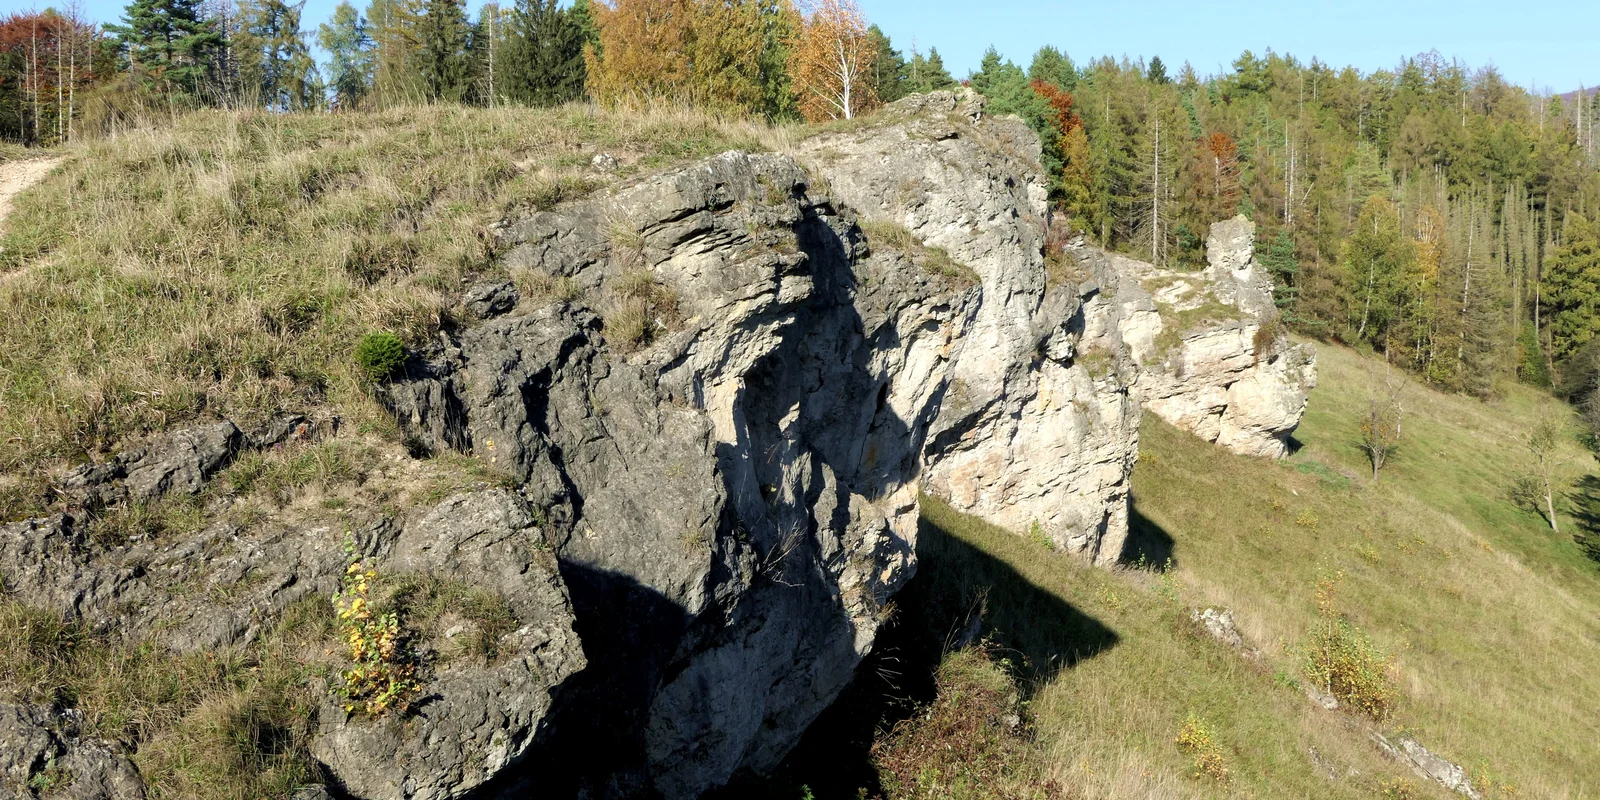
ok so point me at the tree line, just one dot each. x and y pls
(769, 58)
(1436, 214)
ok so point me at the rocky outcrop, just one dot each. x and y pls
(1212, 357)
(714, 395)
(733, 489)
(1038, 429)
(42, 755)
(479, 718)
(1407, 750)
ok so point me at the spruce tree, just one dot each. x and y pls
(170, 43)
(780, 25)
(444, 60)
(1052, 66)
(888, 68)
(544, 54)
(923, 75)
(350, 56)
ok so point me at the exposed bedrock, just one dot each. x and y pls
(715, 394)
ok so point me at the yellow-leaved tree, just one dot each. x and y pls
(708, 53)
(831, 64)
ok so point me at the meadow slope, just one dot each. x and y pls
(1493, 620)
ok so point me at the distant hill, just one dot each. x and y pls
(1573, 95)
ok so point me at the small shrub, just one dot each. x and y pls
(1036, 533)
(1341, 660)
(1380, 423)
(384, 675)
(380, 355)
(1397, 789)
(1196, 739)
(973, 742)
(1266, 335)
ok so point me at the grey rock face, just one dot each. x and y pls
(491, 298)
(179, 462)
(1212, 358)
(732, 503)
(42, 755)
(478, 718)
(1410, 752)
(1031, 433)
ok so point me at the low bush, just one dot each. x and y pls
(380, 355)
(383, 674)
(1343, 661)
(973, 742)
(1197, 739)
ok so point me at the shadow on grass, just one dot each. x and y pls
(1149, 545)
(961, 594)
(1585, 504)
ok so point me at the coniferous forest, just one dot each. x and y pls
(1433, 212)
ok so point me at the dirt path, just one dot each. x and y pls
(15, 176)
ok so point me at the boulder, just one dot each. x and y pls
(476, 718)
(1212, 356)
(42, 755)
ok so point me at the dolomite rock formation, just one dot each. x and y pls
(1038, 429)
(716, 393)
(1211, 357)
(734, 499)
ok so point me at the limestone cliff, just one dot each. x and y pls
(1212, 357)
(713, 394)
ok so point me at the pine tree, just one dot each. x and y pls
(1284, 266)
(275, 64)
(544, 55)
(1054, 67)
(350, 56)
(888, 67)
(170, 44)
(1157, 72)
(444, 61)
(923, 75)
(780, 23)
(1572, 289)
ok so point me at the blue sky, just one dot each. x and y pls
(1542, 43)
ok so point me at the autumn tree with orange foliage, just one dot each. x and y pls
(832, 62)
(713, 54)
(1072, 145)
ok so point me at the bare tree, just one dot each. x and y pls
(1537, 486)
(1381, 422)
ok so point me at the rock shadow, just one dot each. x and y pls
(1149, 546)
(960, 595)
(593, 737)
(1585, 508)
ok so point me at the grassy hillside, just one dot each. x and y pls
(228, 264)
(1493, 620)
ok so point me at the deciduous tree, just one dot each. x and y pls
(832, 62)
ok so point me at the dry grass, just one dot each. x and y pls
(1493, 621)
(933, 260)
(228, 265)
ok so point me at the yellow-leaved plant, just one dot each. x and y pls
(383, 673)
